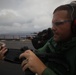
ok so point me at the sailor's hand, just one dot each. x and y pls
(3, 50)
(32, 62)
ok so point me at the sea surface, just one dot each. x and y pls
(7, 68)
(18, 44)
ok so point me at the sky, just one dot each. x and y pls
(27, 15)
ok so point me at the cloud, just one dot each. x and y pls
(8, 15)
(27, 15)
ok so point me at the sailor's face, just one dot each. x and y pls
(61, 26)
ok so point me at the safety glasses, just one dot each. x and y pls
(57, 23)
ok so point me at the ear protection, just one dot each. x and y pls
(72, 5)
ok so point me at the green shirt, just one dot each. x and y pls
(69, 51)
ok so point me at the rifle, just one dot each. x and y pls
(56, 60)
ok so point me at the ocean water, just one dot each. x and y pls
(18, 44)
